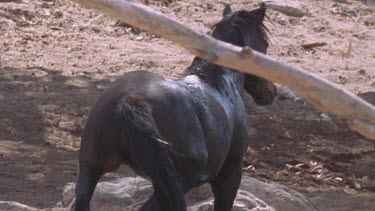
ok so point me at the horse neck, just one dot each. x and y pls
(215, 76)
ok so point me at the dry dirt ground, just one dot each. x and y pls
(56, 58)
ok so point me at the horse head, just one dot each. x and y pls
(246, 28)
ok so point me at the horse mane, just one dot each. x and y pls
(207, 71)
(238, 28)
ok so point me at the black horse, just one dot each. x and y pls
(182, 133)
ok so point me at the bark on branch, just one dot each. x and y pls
(320, 92)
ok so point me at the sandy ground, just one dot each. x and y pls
(56, 58)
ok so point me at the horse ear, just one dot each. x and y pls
(227, 10)
(259, 13)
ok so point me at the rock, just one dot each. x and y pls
(364, 169)
(288, 7)
(343, 200)
(287, 99)
(15, 206)
(68, 194)
(201, 199)
(76, 83)
(357, 185)
(130, 192)
(139, 38)
(283, 21)
(277, 196)
(370, 21)
(58, 14)
(45, 5)
(284, 93)
(344, 1)
(115, 195)
(328, 123)
(344, 10)
(371, 3)
(245, 201)
(322, 124)
(368, 96)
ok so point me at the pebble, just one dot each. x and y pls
(58, 14)
(357, 185)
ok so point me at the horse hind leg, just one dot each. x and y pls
(225, 186)
(88, 178)
(92, 167)
(94, 161)
(85, 186)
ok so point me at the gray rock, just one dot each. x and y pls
(15, 206)
(284, 93)
(68, 194)
(287, 99)
(369, 21)
(344, 10)
(364, 169)
(277, 196)
(344, 1)
(245, 201)
(328, 123)
(371, 3)
(283, 21)
(347, 200)
(115, 195)
(288, 7)
(317, 123)
(253, 195)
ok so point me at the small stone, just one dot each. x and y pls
(45, 5)
(370, 21)
(339, 179)
(362, 72)
(139, 38)
(58, 14)
(96, 29)
(283, 21)
(357, 185)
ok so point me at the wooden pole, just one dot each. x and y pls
(320, 92)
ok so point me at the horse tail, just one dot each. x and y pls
(148, 153)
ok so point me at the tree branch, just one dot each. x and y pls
(320, 92)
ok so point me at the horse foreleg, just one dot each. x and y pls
(225, 186)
